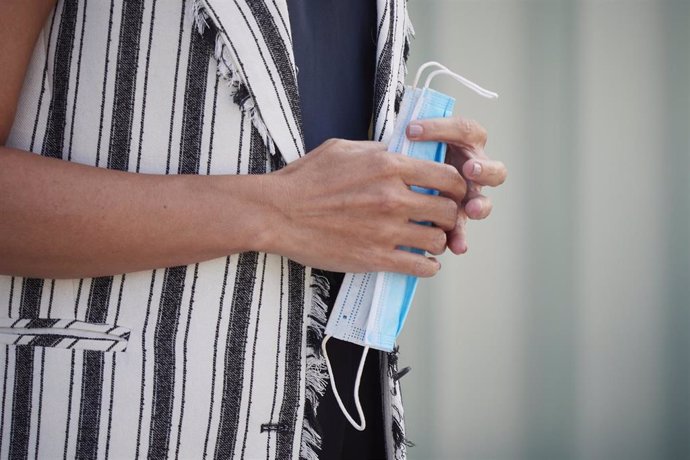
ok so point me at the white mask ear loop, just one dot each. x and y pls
(471, 85)
(358, 405)
(424, 67)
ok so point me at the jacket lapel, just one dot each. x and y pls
(256, 35)
(392, 44)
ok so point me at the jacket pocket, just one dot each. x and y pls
(63, 333)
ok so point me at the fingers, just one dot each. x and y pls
(438, 176)
(456, 239)
(485, 172)
(451, 130)
(470, 139)
(401, 261)
(478, 208)
(430, 239)
(428, 208)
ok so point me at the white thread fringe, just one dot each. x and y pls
(398, 423)
(408, 35)
(316, 379)
(231, 75)
(401, 443)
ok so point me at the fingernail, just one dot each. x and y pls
(476, 169)
(414, 130)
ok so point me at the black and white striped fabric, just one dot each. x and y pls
(211, 360)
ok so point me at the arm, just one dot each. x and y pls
(466, 141)
(346, 206)
(61, 219)
(65, 220)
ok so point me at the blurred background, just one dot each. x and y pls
(564, 333)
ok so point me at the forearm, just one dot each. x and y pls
(65, 220)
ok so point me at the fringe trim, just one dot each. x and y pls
(408, 35)
(400, 440)
(316, 379)
(231, 75)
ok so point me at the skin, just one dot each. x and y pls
(346, 206)
(466, 141)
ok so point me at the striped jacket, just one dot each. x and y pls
(215, 359)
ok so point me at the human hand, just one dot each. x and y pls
(347, 206)
(466, 141)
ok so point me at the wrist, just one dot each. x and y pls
(266, 214)
(247, 213)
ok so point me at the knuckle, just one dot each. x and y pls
(451, 210)
(333, 142)
(430, 126)
(377, 259)
(451, 173)
(390, 202)
(387, 262)
(387, 234)
(372, 264)
(450, 170)
(462, 187)
(395, 163)
(338, 144)
(460, 124)
(380, 146)
(471, 126)
(419, 268)
(438, 241)
(474, 132)
(456, 179)
(360, 259)
(424, 268)
(388, 164)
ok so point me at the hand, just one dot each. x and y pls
(466, 141)
(347, 206)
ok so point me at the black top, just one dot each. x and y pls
(335, 53)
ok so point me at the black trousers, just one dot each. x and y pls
(340, 441)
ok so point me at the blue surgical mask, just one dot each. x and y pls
(371, 308)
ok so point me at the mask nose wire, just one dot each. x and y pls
(470, 84)
(357, 426)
